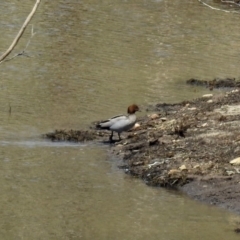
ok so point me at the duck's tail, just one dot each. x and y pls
(102, 125)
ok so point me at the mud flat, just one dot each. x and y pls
(188, 146)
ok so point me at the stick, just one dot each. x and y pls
(216, 8)
(23, 52)
(231, 2)
(20, 33)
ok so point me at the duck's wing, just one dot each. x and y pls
(118, 117)
(124, 124)
(109, 122)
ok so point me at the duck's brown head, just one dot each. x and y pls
(132, 109)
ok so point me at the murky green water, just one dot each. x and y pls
(90, 60)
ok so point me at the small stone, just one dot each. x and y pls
(210, 165)
(170, 154)
(207, 95)
(173, 172)
(154, 164)
(154, 116)
(164, 119)
(210, 101)
(135, 150)
(192, 109)
(183, 168)
(235, 161)
(204, 124)
(230, 173)
(237, 170)
(139, 163)
(137, 125)
(196, 166)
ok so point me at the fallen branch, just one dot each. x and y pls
(23, 52)
(20, 33)
(218, 9)
(231, 2)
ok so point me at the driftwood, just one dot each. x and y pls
(222, 10)
(20, 33)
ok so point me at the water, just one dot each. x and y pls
(89, 60)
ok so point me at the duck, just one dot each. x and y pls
(120, 123)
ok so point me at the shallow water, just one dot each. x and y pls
(88, 60)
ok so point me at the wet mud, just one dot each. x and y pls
(215, 83)
(186, 146)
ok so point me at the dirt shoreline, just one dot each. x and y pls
(187, 146)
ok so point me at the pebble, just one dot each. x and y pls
(164, 119)
(183, 168)
(154, 164)
(173, 172)
(154, 116)
(207, 95)
(135, 150)
(137, 125)
(235, 161)
(230, 173)
(210, 101)
(197, 166)
(237, 170)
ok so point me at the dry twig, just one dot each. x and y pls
(218, 9)
(232, 2)
(20, 33)
(23, 53)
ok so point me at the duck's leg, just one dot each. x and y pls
(111, 136)
(119, 137)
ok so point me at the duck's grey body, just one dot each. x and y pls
(120, 123)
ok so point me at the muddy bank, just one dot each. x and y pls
(187, 146)
(215, 83)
